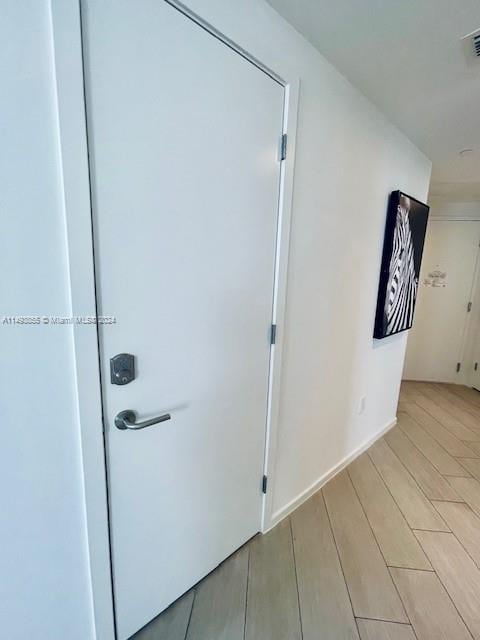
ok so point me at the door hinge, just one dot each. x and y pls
(475, 366)
(283, 147)
(273, 334)
(459, 366)
(469, 307)
(264, 484)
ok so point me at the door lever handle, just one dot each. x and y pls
(127, 420)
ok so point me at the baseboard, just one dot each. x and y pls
(282, 513)
(432, 380)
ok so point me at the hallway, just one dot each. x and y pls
(388, 550)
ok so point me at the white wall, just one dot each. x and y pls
(348, 160)
(44, 580)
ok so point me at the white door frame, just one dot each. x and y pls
(75, 185)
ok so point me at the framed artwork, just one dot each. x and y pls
(401, 260)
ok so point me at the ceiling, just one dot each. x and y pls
(407, 56)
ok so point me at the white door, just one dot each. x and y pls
(435, 342)
(472, 359)
(183, 138)
(474, 378)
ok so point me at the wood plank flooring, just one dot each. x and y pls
(389, 549)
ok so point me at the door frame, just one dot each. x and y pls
(67, 60)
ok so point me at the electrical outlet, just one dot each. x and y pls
(362, 404)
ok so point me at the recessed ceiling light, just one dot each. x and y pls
(465, 152)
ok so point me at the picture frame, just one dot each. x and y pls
(404, 240)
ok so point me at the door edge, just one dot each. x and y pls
(67, 63)
(285, 205)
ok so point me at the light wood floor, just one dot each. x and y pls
(388, 550)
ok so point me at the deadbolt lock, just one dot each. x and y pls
(122, 368)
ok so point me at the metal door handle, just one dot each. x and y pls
(126, 420)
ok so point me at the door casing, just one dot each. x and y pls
(66, 27)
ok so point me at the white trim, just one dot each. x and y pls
(67, 43)
(195, 17)
(66, 32)
(320, 482)
(427, 380)
(292, 94)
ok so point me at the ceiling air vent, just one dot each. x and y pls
(476, 45)
(471, 44)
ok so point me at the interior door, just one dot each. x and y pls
(474, 379)
(183, 140)
(472, 360)
(436, 341)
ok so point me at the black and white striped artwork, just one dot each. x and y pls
(402, 255)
